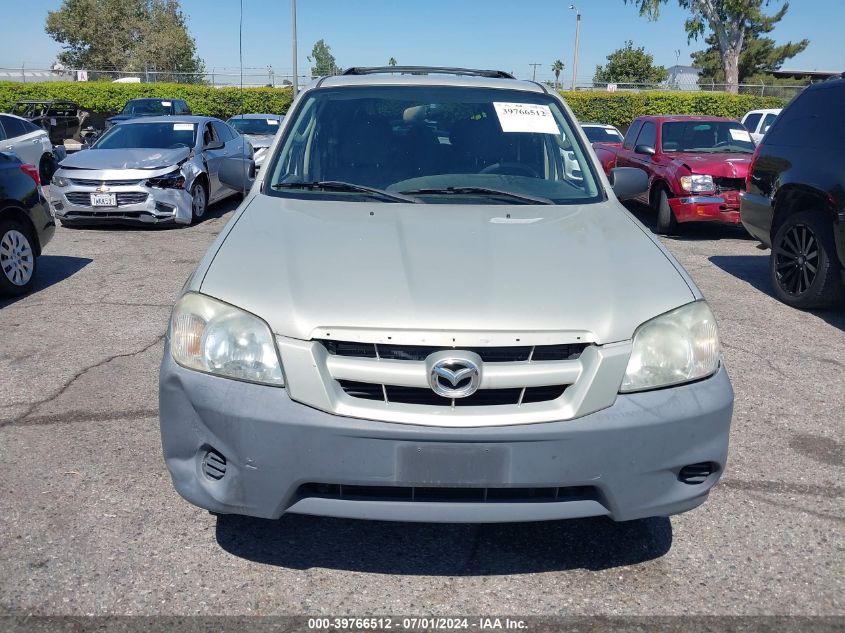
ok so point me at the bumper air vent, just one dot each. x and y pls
(213, 465)
(697, 473)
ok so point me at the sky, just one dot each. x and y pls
(502, 34)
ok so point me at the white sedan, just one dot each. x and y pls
(29, 143)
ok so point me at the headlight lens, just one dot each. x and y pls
(698, 182)
(214, 337)
(58, 181)
(676, 347)
(171, 180)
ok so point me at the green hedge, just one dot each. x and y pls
(620, 108)
(617, 108)
(106, 97)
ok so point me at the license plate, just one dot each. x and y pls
(452, 464)
(103, 200)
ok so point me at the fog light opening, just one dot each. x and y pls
(694, 474)
(213, 465)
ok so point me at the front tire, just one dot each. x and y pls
(17, 259)
(666, 222)
(803, 266)
(199, 200)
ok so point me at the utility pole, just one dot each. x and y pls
(577, 40)
(534, 75)
(293, 38)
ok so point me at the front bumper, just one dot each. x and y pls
(723, 208)
(281, 456)
(158, 206)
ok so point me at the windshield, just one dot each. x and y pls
(148, 135)
(255, 126)
(147, 107)
(439, 144)
(707, 137)
(602, 134)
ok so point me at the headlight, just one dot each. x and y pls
(58, 181)
(676, 347)
(698, 182)
(172, 180)
(214, 337)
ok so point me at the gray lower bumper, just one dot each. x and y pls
(622, 462)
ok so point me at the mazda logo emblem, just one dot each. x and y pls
(454, 376)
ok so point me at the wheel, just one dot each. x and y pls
(803, 266)
(46, 168)
(17, 259)
(666, 222)
(199, 200)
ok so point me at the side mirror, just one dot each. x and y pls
(218, 144)
(647, 150)
(237, 174)
(766, 129)
(628, 182)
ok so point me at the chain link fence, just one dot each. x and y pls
(219, 77)
(270, 77)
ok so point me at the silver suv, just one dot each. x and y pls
(423, 312)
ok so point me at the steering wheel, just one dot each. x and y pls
(511, 169)
(722, 143)
(177, 146)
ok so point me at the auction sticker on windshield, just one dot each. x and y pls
(740, 135)
(182, 127)
(526, 117)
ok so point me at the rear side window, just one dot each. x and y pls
(648, 135)
(632, 134)
(768, 121)
(14, 127)
(223, 131)
(751, 121)
(814, 119)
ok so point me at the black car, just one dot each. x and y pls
(60, 119)
(135, 108)
(26, 225)
(795, 197)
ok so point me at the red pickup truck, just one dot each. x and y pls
(696, 166)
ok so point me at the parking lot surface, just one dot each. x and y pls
(90, 523)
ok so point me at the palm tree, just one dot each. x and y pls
(557, 67)
(391, 61)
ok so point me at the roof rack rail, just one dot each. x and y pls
(426, 70)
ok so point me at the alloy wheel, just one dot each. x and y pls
(16, 257)
(198, 201)
(797, 260)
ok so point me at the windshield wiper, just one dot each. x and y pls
(484, 191)
(337, 185)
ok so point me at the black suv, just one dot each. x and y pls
(135, 108)
(795, 197)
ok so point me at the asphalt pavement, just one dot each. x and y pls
(90, 524)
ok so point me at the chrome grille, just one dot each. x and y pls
(423, 395)
(83, 199)
(87, 182)
(488, 354)
(729, 184)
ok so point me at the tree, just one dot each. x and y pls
(391, 61)
(323, 60)
(728, 21)
(759, 54)
(124, 35)
(557, 67)
(629, 65)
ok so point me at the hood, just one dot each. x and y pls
(305, 266)
(260, 140)
(721, 165)
(125, 158)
